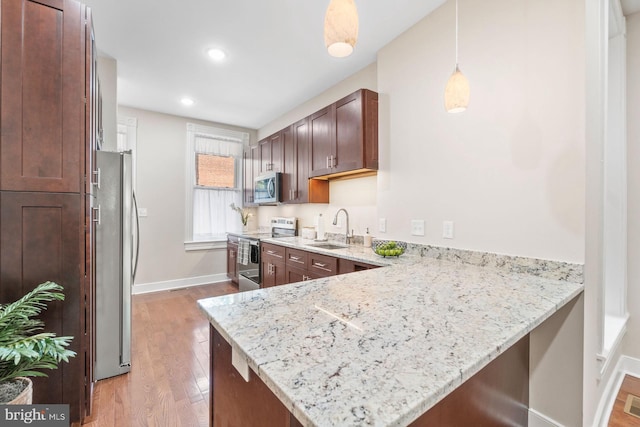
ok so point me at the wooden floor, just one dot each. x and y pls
(169, 380)
(618, 417)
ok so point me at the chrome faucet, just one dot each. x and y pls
(347, 236)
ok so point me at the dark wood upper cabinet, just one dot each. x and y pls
(297, 187)
(271, 153)
(344, 136)
(322, 141)
(290, 166)
(43, 96)
(251, 169)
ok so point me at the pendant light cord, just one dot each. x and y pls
(456, 34)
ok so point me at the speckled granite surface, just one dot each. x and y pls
(381, 347)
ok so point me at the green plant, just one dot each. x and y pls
(244, 213)
(23, 348)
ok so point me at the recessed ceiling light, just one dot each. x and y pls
(187, 102)
(216, 54)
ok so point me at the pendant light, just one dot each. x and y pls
(341, 27)
(456, 93)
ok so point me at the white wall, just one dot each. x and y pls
(357, 196)
(161, 140)
(363, 79)
(510, 170)
(632, 339)
(108, 75)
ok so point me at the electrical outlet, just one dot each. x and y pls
(447, 229)
(382, 225)
(417, 227)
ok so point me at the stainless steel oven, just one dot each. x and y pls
(248, 257)
(248, 264)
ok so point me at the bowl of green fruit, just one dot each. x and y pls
(387, 248)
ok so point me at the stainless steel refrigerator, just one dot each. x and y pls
(116, 259)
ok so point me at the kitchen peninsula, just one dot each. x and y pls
(383, 346)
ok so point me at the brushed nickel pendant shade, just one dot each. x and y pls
(456, 93)
(341, 27)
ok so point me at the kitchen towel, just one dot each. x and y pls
(255, 254)
(243, 252)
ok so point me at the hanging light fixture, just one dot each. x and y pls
(341, 27)
(456, 93)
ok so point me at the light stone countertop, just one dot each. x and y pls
(382, 346)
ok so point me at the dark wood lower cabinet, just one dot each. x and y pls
(232, 259)
(235, 402)
(498, 395)
(42, 238)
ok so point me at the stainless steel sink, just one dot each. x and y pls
(327, 245)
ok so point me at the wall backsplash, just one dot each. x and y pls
(357, 196)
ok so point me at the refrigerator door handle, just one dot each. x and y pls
(125, 329)
(135, 263)
(96, 217)
(96, 183)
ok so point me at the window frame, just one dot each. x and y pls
(193, 130)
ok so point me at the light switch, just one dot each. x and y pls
(142, 212)
(417, 227)
(382, 225)
(447, 229)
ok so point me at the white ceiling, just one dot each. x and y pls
(276, 54)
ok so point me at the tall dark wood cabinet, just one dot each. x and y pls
(46, 149)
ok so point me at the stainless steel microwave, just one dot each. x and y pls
(267, 188)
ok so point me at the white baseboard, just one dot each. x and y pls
(625, 365)
(144, 288)
(536, 419)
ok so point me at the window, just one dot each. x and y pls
(214, 181)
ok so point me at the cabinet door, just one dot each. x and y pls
(271, 153)
(290, 169)
(42, 238)
(92, 121)
(295, 274)
(322, 141)
(277, 146)
(248, 173)
(232, 261)
(349, 136)
(265, 155)
(273, 273)
(42, 105)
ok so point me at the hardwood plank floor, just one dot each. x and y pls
(169, 380)
(630, 385)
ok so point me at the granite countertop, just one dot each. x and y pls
(250, 234)
(382, 346)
